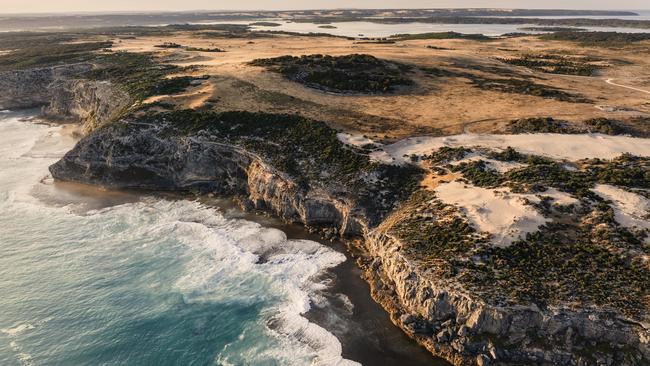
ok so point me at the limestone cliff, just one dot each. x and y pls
(93, 102)
(31, 88)
(450, 321)
(63, 93)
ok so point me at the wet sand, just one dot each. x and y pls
(362, 326)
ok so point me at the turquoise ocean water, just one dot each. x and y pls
(91, 279)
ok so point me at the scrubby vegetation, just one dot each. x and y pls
(539, 125)
(572, 262)
(632, 126)
(441, 35)
(200, 49)
(57, 53)
(582, 258)
(434, 230)
(527, 87)
(564, 263)
(514, 84)
(598, 39)
(307, 150)
(343, 74)
(555, 64)
(168, 45)
(541, 173)
(636, 126)
(139, 74)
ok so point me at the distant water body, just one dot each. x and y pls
(106, 278)
(369, 29)
(347, 29)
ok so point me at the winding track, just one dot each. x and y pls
(611, 82)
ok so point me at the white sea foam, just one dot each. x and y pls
(237, 261)
(17, 329)
(231, 268)
(24, 358)
(229, 261)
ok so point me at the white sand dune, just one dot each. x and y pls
(354, 140)
(503, 214)
(556, 146)
(499, 166)
(631, 210)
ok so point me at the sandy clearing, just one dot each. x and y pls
(630, 209)
(354, 140)
(499, 166)
(556, 146)
(503, 214)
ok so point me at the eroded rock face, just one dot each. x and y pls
(30, 88)
(441, 315)
(465, 330)
(62, 93)
(93, 102)
(139, 158)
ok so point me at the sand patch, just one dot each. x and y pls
(506, 216)
(630, 209)
(555, 146)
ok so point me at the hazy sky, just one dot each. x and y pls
(22, 6)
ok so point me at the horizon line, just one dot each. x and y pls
(134, 12)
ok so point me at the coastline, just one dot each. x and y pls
(448, 319)
(365, 330)
(347, 307)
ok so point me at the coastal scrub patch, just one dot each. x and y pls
(57, 53)
(340, 74)
(598, 39)
(139, 73)
(441, 35)
(539, 125)
(555, 64)
(516, 239)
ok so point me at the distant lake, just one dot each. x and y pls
(370, 29)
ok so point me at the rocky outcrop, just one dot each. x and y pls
(137, 158)
(93, 102)
(30, 88)
(465, 330)
(442, 316)
(64, 94)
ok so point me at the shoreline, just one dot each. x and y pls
(349, 311)
(367, 333)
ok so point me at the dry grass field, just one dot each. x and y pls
(433, 105)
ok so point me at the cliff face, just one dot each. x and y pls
(93, 102)
(441, 315)
(139, 158)
(465, 330)
(63, 94)
(30, 88)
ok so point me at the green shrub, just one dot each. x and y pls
(343, 74)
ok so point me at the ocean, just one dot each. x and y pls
(94, 277)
